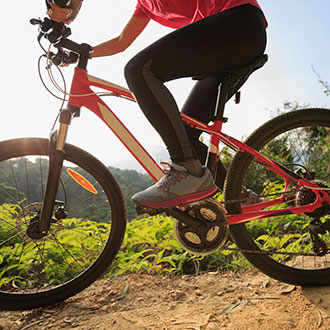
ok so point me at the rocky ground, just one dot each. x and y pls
(240, 301)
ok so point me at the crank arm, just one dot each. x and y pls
(194, 223)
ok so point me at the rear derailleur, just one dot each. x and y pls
(315, 228)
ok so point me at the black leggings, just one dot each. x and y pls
(230, 39)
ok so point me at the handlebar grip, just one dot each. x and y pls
(62, 3)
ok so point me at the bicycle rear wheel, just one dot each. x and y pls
(79, 246)
(282, 247)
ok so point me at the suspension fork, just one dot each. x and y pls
(56, 145)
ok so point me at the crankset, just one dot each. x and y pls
(204, 239)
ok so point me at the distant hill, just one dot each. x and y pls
(159, 153)
(131, 182)
(14, 190)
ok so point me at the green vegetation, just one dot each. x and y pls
(150, 247)
(72, 245)
(68, 249)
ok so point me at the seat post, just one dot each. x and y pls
(220, 103)
(218, 119)
(230, 82)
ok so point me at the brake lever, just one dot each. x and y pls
(58, 37)
(35, 21)
(57, 33)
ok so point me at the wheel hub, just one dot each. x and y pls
(28, 220)
(33, 230)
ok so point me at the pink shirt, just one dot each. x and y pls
(178, 13)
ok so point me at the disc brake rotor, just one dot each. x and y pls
(25, 220)
(25, 215)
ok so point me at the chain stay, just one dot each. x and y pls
(242, 200)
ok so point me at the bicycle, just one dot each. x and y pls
(51, 246)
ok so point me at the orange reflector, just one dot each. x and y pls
(81, 181)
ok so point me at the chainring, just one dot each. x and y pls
(203, 243)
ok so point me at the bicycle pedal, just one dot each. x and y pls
(140, 209)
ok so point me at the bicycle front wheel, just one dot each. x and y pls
(284, 247)
(85, 234)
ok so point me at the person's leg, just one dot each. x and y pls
(200, 104)
(226, 40)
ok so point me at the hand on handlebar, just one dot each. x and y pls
(68, 51)
(59, 14)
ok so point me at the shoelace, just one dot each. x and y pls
(172, 176)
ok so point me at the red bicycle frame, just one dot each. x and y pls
(82, 95)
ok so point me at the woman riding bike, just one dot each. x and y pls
(210, 35)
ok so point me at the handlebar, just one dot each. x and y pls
(57, 34)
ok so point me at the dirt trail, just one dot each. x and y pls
(240, 301)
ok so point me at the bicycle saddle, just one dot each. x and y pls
(236, 74)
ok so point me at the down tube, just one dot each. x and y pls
(135, 148)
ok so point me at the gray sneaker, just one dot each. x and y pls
(177, 187)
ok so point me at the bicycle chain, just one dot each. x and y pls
(269, 252)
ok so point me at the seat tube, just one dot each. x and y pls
(218, 120)
(212, 156)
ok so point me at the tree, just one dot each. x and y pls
(7, 194)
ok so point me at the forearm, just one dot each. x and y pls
(110, 47)
(116, 45)
(75, 5)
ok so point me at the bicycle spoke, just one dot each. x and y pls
(41, 177)
(27, 181)
(11, 237)
(67, 251)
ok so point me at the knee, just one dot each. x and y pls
(129, 69)
(133, 70)
(138, 69)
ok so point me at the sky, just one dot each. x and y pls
(298, 46)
